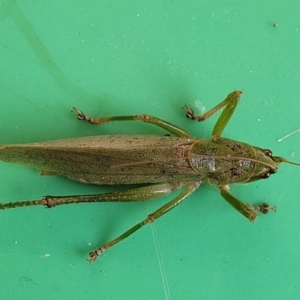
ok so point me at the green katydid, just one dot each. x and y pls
(163, 163)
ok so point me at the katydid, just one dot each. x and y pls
(162, 163)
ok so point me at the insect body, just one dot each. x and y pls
(164, 164)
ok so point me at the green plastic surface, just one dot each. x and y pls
(129, 57)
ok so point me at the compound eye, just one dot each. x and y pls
(267, 152)
(265, 175)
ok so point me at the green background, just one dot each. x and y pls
(129, 57)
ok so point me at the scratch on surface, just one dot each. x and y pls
(10, 8)
(288, 135)
(292, 289)
(199, 106)
(27, 280)
(160, 260)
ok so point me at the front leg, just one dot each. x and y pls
(230, 104)
(246, 210)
